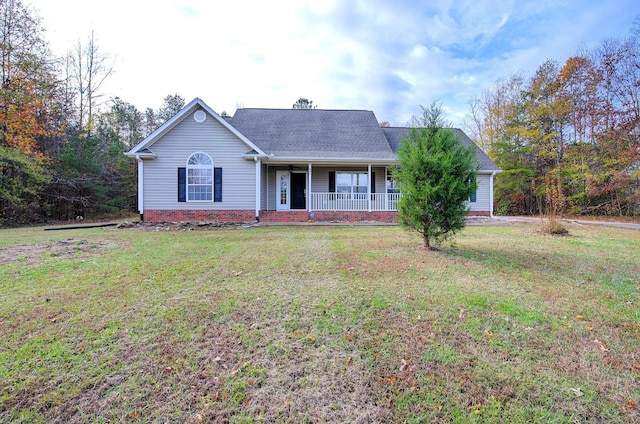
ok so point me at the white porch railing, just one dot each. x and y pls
(354, 202)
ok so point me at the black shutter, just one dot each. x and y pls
(182, 184)
(373, 182)
(217, 184)
(332, 181)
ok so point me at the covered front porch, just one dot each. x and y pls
(328, 188)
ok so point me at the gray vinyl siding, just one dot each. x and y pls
(320, 184)
(264, 181)
(173, 150)
(319, 180)
(483, 197)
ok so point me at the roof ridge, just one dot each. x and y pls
(319, 110)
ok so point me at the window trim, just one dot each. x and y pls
(391, 185)
(351, 186)
(199, 167)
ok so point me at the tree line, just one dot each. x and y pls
(568, 136)
(61, 142)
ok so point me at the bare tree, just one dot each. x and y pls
(90, 68)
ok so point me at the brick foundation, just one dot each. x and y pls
(274, 216)
(199, 215)
(327, 216)
(479, 213)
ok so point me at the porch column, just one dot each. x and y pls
(258, 186)
(309, 188)
(386, 195)
(369, 187)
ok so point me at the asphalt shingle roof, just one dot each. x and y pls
(314, 133)
(328, 134)
(395, 134)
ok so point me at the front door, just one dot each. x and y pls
(298, 190)
(283, 190)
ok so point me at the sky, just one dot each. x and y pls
(388, 56)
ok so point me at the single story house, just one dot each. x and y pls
(278, 165)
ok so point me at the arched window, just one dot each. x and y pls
(199, 178)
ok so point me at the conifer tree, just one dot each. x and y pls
(437, 175)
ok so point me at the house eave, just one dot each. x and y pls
(328, 161)
(177, 118)
(144, 155)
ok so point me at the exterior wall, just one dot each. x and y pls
(173, 150)
(319, 180)
(264, 192)
(320, 177)
(483, 196)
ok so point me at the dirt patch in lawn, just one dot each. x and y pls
(35, 254)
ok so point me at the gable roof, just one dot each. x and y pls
(314, 133)
(143, 148)
(395, 134)
(307, 134)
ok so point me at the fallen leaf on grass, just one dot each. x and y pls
(461, 313)
(601, 345)
(477, 409)
(348, 337)
(404, 365)
(577, 391)
(630, 404)
(488, 334)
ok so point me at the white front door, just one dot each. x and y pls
(283, 191)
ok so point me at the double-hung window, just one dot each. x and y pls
(199, 178)
(392, 185)
(351, 182)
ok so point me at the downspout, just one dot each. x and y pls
(491, 194)
(258, 186)
(140, 187)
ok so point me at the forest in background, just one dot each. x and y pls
(566, 137)
(62, 142)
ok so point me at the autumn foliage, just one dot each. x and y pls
(61, 150)
(579, 122)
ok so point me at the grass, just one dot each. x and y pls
(319, 324)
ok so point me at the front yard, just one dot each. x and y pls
(319, 324)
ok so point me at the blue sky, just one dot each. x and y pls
(385, 56)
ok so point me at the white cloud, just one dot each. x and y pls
(388, 57)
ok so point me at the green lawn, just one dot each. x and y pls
(319, 324)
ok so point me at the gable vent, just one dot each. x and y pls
(199, 116)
